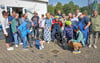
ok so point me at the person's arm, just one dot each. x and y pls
(78, 39)
(13, 26)
(88, 23)
(3, 27)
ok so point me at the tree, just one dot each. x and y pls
(51, 9)
(70, 8)
(58, 7)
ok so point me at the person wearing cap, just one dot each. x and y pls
(56, 27)
(94, 29)
(68, 31)
(84, 23)
(78, 42)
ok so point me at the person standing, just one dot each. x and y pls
(10, 18)
(63, 20)
(42, 22)
(14, 25)
(59, 14)
(84, 24)
(47, 29)
(6, 30)
(95, 29)
(35, 25)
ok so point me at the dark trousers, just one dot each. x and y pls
(9, 37)
(54, 31)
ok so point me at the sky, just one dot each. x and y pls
(81, 3)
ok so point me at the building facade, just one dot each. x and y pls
(25, 6)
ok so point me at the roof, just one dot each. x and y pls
(45, 1)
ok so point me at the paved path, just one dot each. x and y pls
(52, 53)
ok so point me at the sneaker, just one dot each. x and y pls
(95, 46)
(43, 41)
(48, 42)
(76, 52)
(42, 46)
(10, 48)
(21, 44)
(16, 45)
(89, 46)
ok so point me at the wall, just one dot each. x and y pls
(39, 7)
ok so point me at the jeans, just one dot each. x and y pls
(35, 32)
(25, 42)
(17, 38)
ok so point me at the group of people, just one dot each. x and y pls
(77, 27)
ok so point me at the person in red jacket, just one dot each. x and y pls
(56, 27)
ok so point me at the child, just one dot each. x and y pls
(56, 27)
(78, 42)
(39, 44)
(68, 31)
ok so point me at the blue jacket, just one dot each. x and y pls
(23, 29)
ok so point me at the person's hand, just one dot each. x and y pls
(32, 24)
(6, 35)
(31, 30)
(64, 37)
(69, 41)
(32, 35)
(9, 22)
(50, 29)
(13, 32)
(85, 28)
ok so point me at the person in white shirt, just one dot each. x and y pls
(6, 30)
(42, 23)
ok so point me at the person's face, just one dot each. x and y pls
(64, 15)
(14, 13)
(5, 16)
(59, 12)
(25, 16)
(73, 15)
(17, 16)
(70, 15)
(77, 11)
(57, 19)
(95, 13)
(35, 14)
(80, 16)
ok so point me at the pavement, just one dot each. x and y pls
(52, 53)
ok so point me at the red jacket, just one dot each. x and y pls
(54, 21)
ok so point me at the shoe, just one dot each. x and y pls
(16, 45)
(95, 46)
(10, 48)
(42, 46)
(43, 41)
(21, 44)
(89, 46)
(48, 42)
(76, 52)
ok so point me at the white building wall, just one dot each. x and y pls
(39, 7)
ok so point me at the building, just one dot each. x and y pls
(25, 6)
